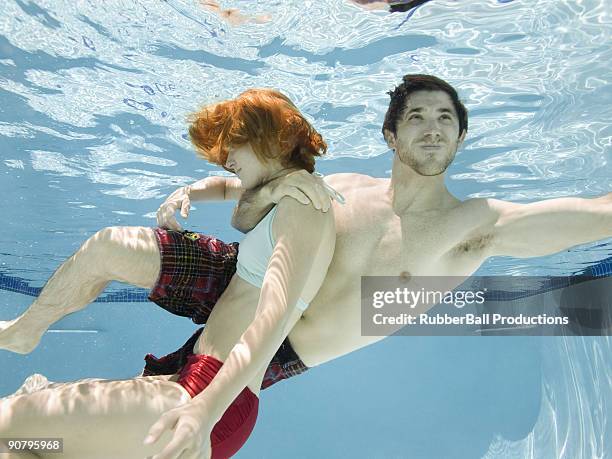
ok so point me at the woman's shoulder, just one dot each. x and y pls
(290, 208)
(307, 233)
(294, 216)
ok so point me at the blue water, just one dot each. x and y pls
(93, 101)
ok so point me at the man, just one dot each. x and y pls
(408, 225)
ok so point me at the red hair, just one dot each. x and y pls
(264, 118)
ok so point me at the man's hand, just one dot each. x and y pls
(191, 437)
(304, 188)
(166, 212)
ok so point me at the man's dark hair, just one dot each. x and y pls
(413, 83)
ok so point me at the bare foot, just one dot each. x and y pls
(32, 383)
(263, 19)
(233, 16)
(13, 338)
(372, 5)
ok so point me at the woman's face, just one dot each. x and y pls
(243, 162)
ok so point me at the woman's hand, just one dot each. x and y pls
(177, 200)
(191, 437)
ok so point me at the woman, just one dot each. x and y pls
(281, 264)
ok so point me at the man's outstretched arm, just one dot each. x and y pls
(546, 227)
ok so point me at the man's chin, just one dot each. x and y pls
(429, 172)
(431, 167)
(427, 169)
(428, 165)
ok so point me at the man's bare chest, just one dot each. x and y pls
(421, 247)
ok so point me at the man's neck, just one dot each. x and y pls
(411, 192)
(277, 173)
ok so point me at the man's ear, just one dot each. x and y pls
(389, 138)
(461, 139)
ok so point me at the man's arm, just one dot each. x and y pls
(207, 189)
(253, 204)
(252, 207)
(546, 227)
(299, 185)
(216, 189)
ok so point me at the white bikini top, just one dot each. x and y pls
(254, 254)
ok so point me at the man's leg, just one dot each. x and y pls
(125, 254)
(97, 419)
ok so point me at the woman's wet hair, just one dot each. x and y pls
(263, 118)
(413, 83)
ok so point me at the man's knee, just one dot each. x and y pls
(111, 236)
(101, 241)
(124, 253)
(121, 240)
(97, 249)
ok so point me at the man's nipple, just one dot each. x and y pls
(405, 276)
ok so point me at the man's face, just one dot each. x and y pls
(427, 134)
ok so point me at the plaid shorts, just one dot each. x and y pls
(195, 271)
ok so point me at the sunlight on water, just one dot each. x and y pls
(99, 93)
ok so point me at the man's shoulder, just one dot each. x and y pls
(355, 180)
(484, 211)
(490, 205)
(481, 203)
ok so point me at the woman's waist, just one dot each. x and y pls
(233, 313)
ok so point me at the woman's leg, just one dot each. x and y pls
(94, 418)
(125, 254)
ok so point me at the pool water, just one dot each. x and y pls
(93, 104)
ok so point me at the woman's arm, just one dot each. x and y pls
(305, 240)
